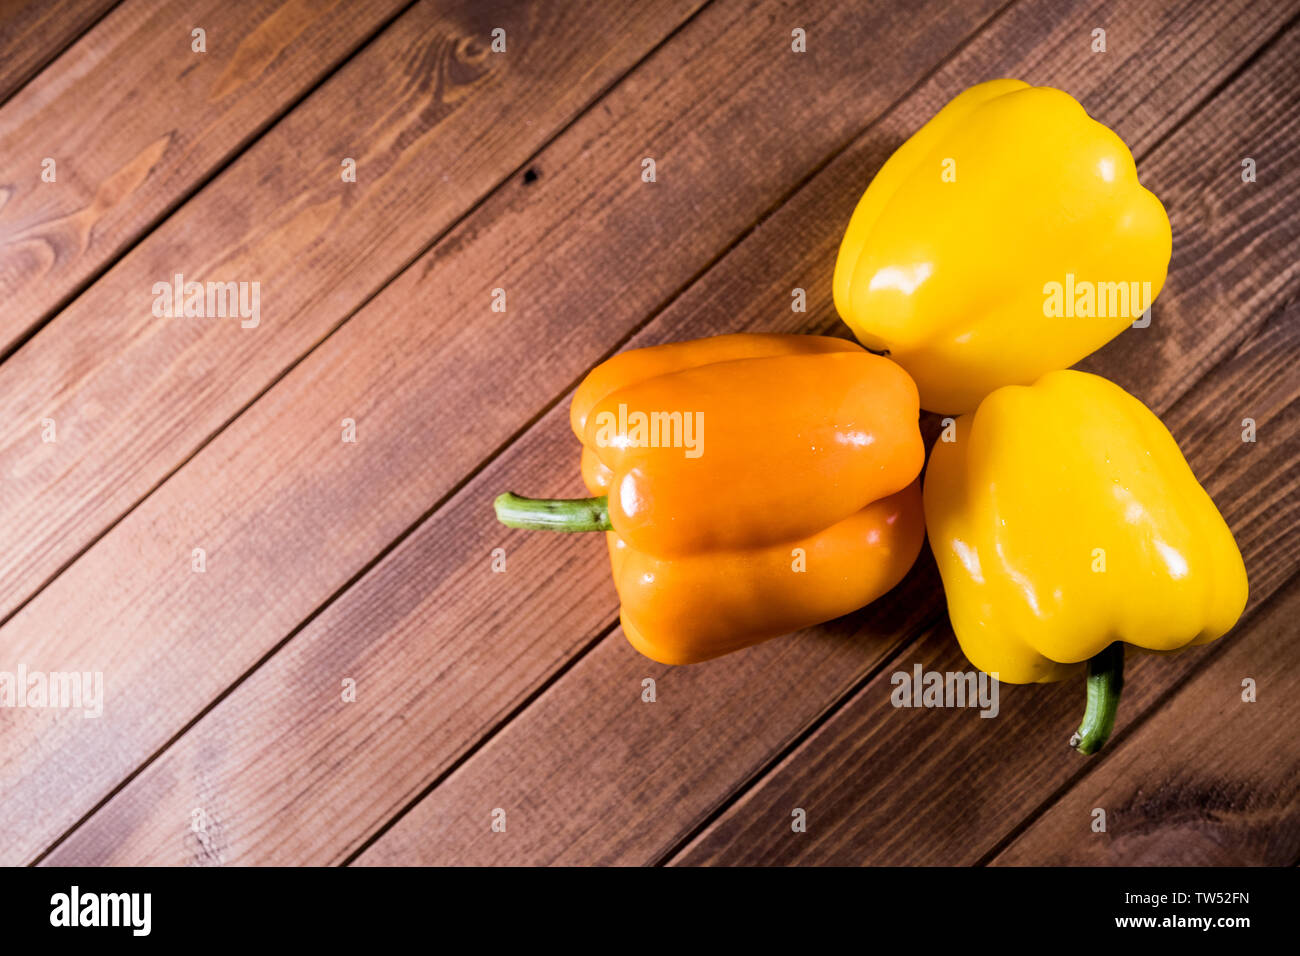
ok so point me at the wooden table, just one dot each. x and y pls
(311, 650)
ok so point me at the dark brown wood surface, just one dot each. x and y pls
(34, 32)
(372, 562)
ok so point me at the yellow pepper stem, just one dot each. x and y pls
(553, 514)
(1105, 684)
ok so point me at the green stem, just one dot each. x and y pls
(1105, 684)
(553, 514)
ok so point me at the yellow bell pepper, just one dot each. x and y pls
(1064, 519)
(1007, 238)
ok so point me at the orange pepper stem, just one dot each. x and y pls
(1105, 683)
(553, 514)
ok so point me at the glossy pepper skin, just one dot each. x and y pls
(951, 278)
(808, 442)
(1063, 519)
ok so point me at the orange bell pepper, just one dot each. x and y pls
(750, 485)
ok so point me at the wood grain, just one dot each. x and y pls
(177, 116)
(434, 121)
(436, 586)
(560, 246)
(941, 786)
(34, 32)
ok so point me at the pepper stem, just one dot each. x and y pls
(553, 514)
(1105, 683)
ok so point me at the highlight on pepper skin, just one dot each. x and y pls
(1066, 523)
(706, 560)
(968, 253)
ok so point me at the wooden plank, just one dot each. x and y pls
(457, 379)
(1208, 780)
(891, 786)
(177, 116)
(434, 121)
(459, 648)
(34, 32)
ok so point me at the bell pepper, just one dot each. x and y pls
(792, 496)
(1066, 523)
(1007, 238)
